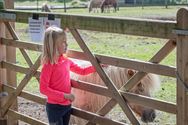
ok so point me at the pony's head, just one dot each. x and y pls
(145, 87)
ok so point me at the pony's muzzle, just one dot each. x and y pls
(148, 115)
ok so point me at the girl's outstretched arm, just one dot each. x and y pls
(81, 70)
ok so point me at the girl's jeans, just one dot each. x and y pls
(58, 114)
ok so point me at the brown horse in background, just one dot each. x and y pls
(103, 5)
(107, 4)
(94, 5)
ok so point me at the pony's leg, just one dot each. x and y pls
(114, 9)
(90, 9)
(108, 8)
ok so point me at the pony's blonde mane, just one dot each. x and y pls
(119, 77)
(151, 83)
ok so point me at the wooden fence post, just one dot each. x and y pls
(10, 51)
(11, 57)
(182, 66)
(8, 54)
(3, 121)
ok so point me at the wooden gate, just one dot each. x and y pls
(149, 28)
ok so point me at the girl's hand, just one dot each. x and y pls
(70, 97)
(74, 83)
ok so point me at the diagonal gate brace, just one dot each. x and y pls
(125, 107)
(20, 87)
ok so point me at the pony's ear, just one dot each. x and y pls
(130, 72)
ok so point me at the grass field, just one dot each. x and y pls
(148, 12)
(126, 46)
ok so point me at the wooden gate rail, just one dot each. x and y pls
(150, 102)
(25, 118)
(17, 68)
(120, 62)
(134, 98)
(147, 27)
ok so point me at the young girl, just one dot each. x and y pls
(55, 76)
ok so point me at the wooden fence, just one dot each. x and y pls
(140, 27)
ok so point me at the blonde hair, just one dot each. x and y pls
(50, 47)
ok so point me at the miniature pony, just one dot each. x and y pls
(92, 102)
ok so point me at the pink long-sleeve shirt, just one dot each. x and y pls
(55, 79)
